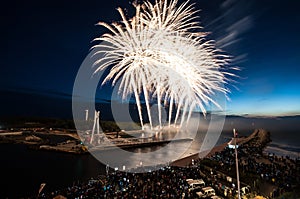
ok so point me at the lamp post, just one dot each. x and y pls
(237, 165)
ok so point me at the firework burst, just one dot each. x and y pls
(162, 54)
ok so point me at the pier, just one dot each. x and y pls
(135, 143)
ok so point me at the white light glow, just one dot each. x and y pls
(162, 54)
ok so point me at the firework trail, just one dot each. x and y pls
(162, 54)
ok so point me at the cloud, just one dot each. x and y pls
(240, 58)
(234, 32)
(34, 91)
(235, 19)
(241, 26)
(227, 3)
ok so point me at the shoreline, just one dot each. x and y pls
(277, 151)
(260, 134)
(71, 144)
(186, 161)
(281, 151)
(59, 141)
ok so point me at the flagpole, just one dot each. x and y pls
(237, 165)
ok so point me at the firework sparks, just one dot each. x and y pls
(162, 54)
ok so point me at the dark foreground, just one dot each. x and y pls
(167, 182)
(260, 174)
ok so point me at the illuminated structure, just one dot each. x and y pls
(96, 124)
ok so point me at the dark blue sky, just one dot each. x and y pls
(43, 44)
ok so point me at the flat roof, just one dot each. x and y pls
(198, 181)
(207, 188)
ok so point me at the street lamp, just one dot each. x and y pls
(237, 165)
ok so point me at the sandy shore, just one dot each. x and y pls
(259, 134)
(188, 160)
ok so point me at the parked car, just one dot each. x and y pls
(206, 192)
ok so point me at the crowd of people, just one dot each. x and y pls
(282, 173)
(166, 182)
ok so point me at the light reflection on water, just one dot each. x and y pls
(156, 154)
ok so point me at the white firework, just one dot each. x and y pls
(162, 54)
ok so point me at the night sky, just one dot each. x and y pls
(43, 44)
